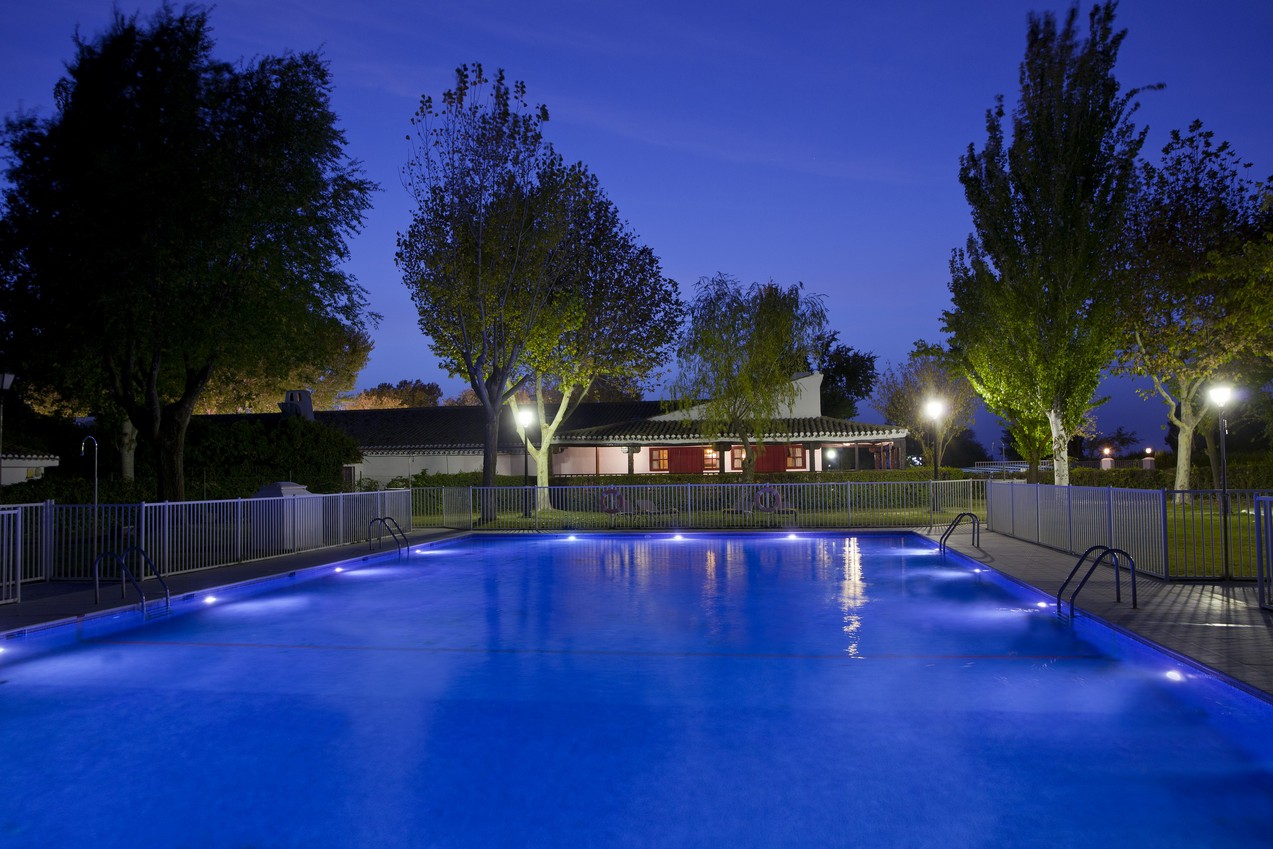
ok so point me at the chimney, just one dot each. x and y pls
(298, 402)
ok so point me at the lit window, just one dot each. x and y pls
(736, 456)
(795, 456)
(711, 460)
(658, 460)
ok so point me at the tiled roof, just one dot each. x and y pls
(420, 430)
(449, 429)
(820, 428)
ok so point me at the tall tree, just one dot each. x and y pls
(1032, 318)
(616, 319)
(484, 254)
(847, 376)
(176, 216)
(902, 392)
(1189, 311)
(738, 354)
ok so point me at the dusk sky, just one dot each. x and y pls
(815, 142)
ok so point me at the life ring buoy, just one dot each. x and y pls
(766, 499)
(611, 500)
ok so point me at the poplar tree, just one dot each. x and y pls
(1033, 294)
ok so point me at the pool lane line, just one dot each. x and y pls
(600, 652)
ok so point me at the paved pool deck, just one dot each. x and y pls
(1220, 625)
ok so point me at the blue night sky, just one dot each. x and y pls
(808, 141)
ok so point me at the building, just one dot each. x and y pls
(605, 438)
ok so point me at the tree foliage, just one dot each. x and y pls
(738, 354)
(1192, 308)
(848, 376)
(485, 253)
(405, 393)
(616, 317)
(1032, 319)
(330, 375)
(177, 217)
(903, 391)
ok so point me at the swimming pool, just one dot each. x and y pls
(630, 691)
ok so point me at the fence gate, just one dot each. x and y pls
(10, 556)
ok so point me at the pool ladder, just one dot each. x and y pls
(1115, 554)
(390, 524)
(126, 574)
(976, 530)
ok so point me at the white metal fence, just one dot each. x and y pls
(1264, 549)
(700, 506)
(61, 541)
(1197, 535)
(10, 549)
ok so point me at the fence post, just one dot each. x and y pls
(1166, 551)
(47, 541)
(1038, 520)
(1069, 520)
(240, 529)
(1109, 515)
(848, 503)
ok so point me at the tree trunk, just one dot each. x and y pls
(126, 444)
(1184, 452)
(490, 456)
(1060, 446)
(170, 448)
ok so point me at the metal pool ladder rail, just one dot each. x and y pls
(1105, 551)
(976, 530)
(126, 573)
(390, 524)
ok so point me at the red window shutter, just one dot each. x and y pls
(684, 460)
(772, 459)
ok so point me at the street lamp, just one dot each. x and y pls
(830, 456)
(1107, 460)
(1220, 396)
(6, 381)
(86, 441)
(934, 409)
(524, 418)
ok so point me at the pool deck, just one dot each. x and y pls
(1220, 625)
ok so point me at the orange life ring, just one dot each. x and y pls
(766, 499)
(611, 500)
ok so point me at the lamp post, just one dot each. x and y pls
(830, 456)
(86, 441)
(934, 409)
(1107, 459)
(6, 381)
(524, 418)
(1220, 396)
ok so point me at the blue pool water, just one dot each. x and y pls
(826, 691)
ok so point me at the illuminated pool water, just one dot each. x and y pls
(715, 691)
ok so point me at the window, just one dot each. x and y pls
(736, 456)
(658, 459)
(711, 460)
(795, 456)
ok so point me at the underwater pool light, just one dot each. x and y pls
(1173, 675)
(570, 538)
(792, 536)
(678, 538)
(340, 568)
(1042, 604)
(209, 599)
